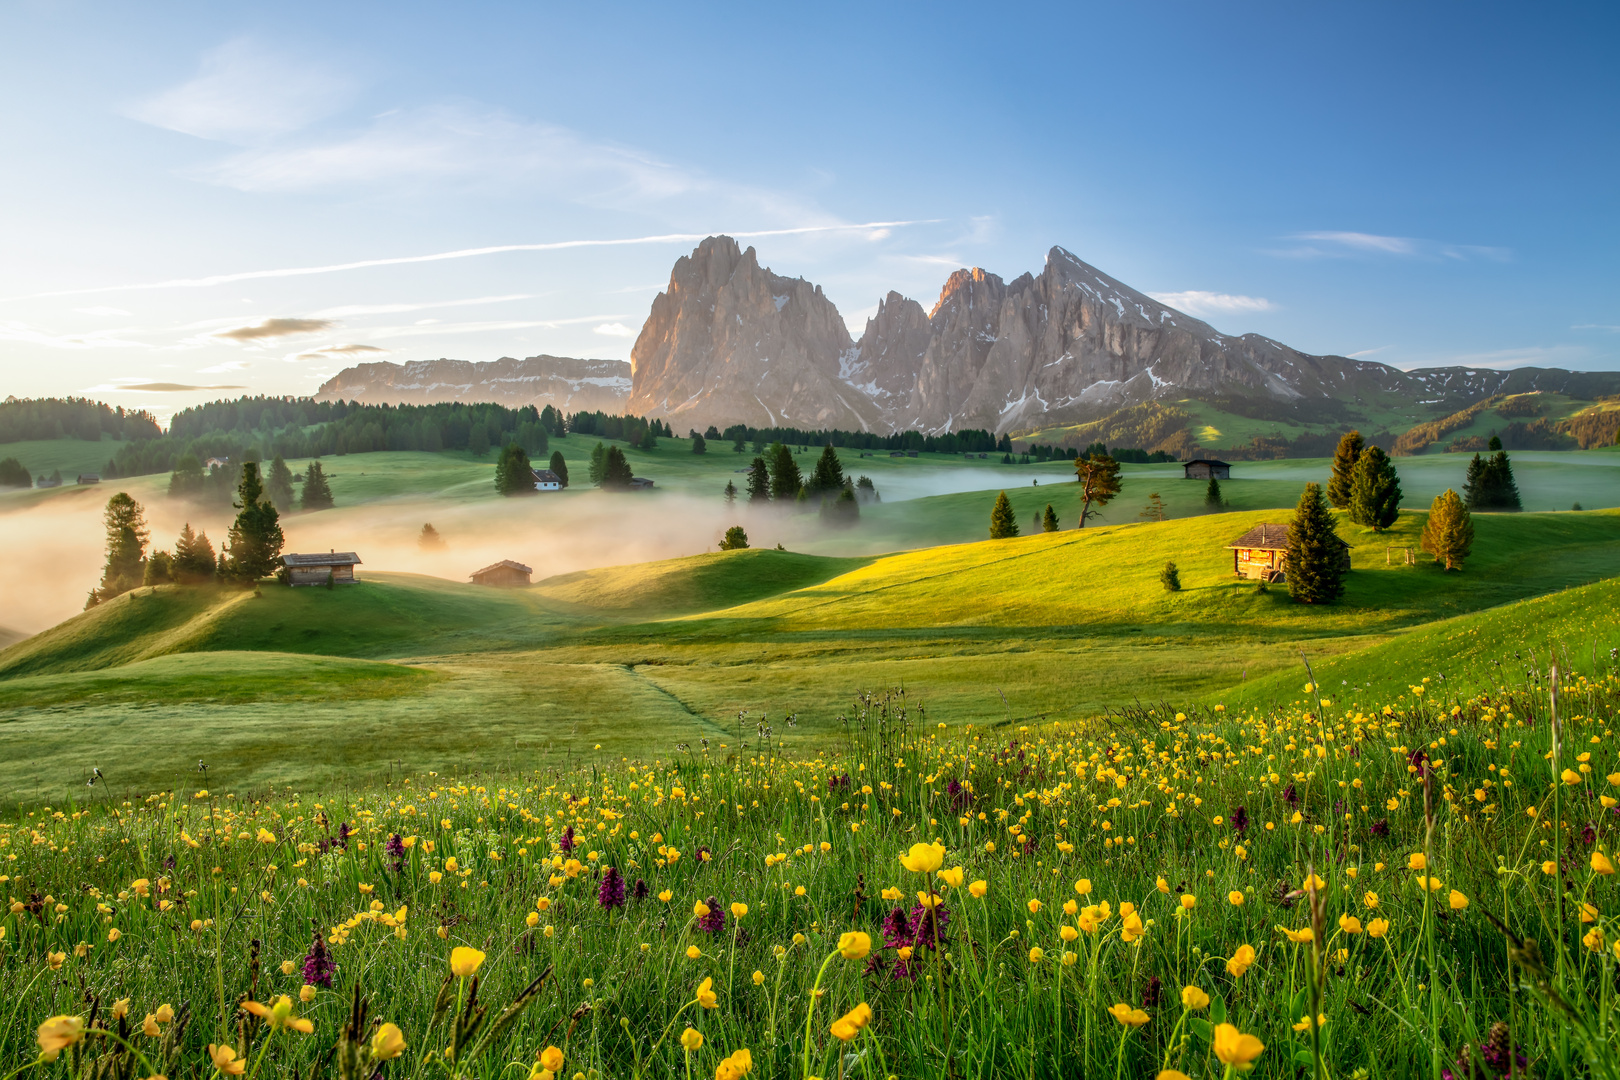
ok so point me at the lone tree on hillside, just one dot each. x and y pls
(827, 480)
(1049, 521)
(1154, 510)
(786, 479)
(730, 493)
(317, 493)
(759, 481)
(13, 475)
(1344, 465)
(616, 474)
(1003, 522)
(1315, 552)
(255, 537)
(598, 467)
(735, 539)
(1375, 490)
(1170, 577)
(193, 561)
(698, 445)
(1490, 484)
(279, 485)
(513, 473)
(429, 539)
(844, 511)
(560, 467)
(1213, 499)
(126, 549)
(1099, 483)
(1449, 533)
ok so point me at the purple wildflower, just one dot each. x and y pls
(1150, 996)
(928, 925)
(1419, 761)
(567, 841)
(639, 890)
(1588, 835)
(395, 850)
(896, 929)
(1240, 821)
(715, 920)
(1380, 827)
(319, 967)
(1291, 797)
(610, 894)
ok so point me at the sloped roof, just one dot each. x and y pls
(1204, 461)
(504, 563)
(328, 558)
(544, 476)
(1271, 537)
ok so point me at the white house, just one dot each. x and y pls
(546, 480)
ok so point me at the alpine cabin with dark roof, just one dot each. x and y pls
(1261, 554)
(1205, 469)
(504, 574)
(332, 567)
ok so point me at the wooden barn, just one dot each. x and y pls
(1261, 554)
(1205, 468)
(504, 574)
(318, 568)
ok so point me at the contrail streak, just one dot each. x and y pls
(464, 253)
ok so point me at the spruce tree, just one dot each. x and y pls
(828, 478)
(699, 445)
(1504, 491)
(1476, 484)
(731, 493)
(759, 481)
(279, 486)
(478, 440)
(125, 522)
(13, 475)
(1154, 510)
(255, 537)
(786, 479)
(843, 511)
(1213, 500)
(187, 480)
(513, 473)
(193, 561)
(317, 493)
(598, 467)
(1003, 522)
(1049, 521)
(429, 539)
(560, 467)
(159, 569)
(1344, 465)
(735, 539)
(1316, 560)
(1099, 482)
(1448, 535)
(866, 491)
(1375, 490)
(1170, 577)
(616, 473)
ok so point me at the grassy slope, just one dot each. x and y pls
(696, 583)
(72, 456)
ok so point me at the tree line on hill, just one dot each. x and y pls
(31, 419)
(252, 549)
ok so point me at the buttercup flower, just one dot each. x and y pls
(1193, 997)
(58, 1033)
(1128, 1016)
(388, 1043)
(465, 961)
(854, 945)
(924, 858)
(1235, 1048)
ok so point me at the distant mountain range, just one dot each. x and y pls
(730, 342)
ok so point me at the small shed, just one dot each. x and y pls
(546, 480)
(89, 478)
(505, 574)
(318, 568)
(1205, 469)
(1261, 554)
(640, 483)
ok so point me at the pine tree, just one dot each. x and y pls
(159, 569)
(1504, 491)
(1049, 521)
(1375, 490)
(828, 477)
(186, 482)
(735, 539)
(649, 439)
(13, 475)
(843, 511)
(478, 440)
(759, 481)
(1344, 465)
(1003, 522)
(1170, 577)
(513, 473)
(1476, 484)
(598, 464)
(1099, 483)
(866, 491)
(699, 445)
(731, 493)
(1213, 499)
(317, 493)
(125, 522)
(1154, 510)
(429, 539)
(1449, 533)
(255, 537)
(193, 557)
(616, 473)
(1316, 558)
(560, 467)
(786, 479)
(279, 485)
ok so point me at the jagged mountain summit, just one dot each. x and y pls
(569, 384)
(731, 342)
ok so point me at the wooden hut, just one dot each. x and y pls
(1204, 469)
(1261, 554)
(318, 568)
(504, 574)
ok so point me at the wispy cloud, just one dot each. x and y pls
(276, 328)
(1199, 302)
(102, 339)
(614, 329)
(350, 310)
(245, 92)
(222, 368)
(1607, 327)
(338, 352)
(1333, 244)
(152, 388)
(1561, 356)
(1368, 352)
(462, 253)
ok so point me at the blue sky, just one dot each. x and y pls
(1421, 184)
